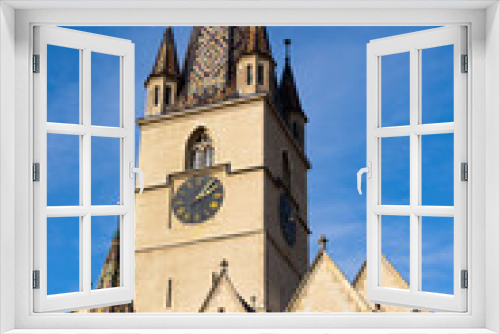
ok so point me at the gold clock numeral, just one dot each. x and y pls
(214, 205)
(181, 210)
(197, 217)
(217, 195)
(187, 215)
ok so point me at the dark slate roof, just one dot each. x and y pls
(166, 63)
(289, 95)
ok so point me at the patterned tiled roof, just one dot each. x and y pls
(110, 271)
(209, 71)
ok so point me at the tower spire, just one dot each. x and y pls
(257, 42)
(288, 90)
(166, 64)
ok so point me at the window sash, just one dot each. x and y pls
(86, 43)
(472, 322)
(412, 43)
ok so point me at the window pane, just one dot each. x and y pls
(105, 259)
(395, 170)
(63, 255)
(395, 89)
(105, 90)
(437, 169)
(437, 84)
(395, 264)
(105, 170)
(437, 254)
(63, 85)
(63, 170)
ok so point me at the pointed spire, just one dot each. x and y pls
(288, 90)
(166, 63)
(257, 42)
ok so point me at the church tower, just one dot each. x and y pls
(222, 149)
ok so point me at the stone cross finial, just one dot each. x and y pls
(223, 265)
(323, 241)
(253, 301)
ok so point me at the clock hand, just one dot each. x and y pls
(204, 191)
(209, 191)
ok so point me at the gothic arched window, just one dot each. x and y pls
(260, 74)
(200, 152)
(287, 174)
(249, 74)
(157, 95)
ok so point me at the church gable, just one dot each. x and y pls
(390, 278)
(326, 289)
(223, 296)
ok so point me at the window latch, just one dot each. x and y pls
(465, 64)
(465, 279)
(36, 63)
(368, 171)
(36, 279)
(36, 172)
(134, 170)
(464, 168)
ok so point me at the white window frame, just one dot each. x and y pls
(414, 43)
(483, 21)
(86, 44)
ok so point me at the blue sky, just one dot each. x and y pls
(330, 71)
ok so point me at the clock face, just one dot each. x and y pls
(287, 220)
(198, 199)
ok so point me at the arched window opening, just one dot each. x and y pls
(287, 174)
(249, 74)
(168, 95)
(200, 153)
(157, 95)
(260, 74)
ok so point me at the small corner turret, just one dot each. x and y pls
(255, 67)
(163, 82)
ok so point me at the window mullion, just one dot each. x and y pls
(85, 178)
(414, 171)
